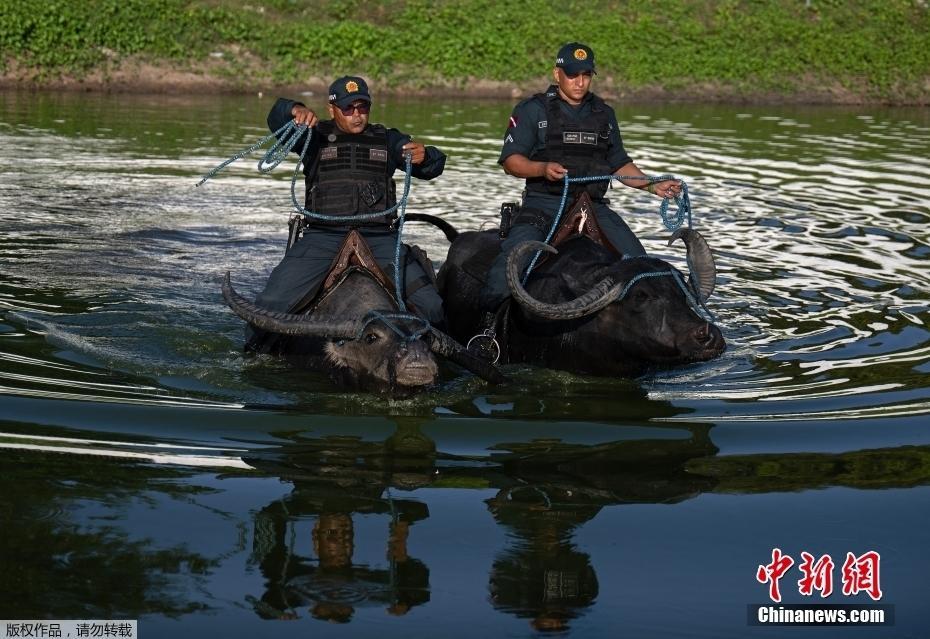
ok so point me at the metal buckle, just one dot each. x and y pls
(487, 334)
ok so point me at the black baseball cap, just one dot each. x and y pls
(347, 90)
(575, 58)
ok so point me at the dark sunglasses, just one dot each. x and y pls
(362, 108)
(572, 76)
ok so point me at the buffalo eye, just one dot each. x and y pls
(640, 297)
(371, 338)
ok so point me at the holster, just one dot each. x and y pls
(509, 212)
(295, 227)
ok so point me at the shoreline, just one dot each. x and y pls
(158, 79)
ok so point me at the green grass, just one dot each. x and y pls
(878, 49)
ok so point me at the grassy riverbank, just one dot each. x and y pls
(783, 50)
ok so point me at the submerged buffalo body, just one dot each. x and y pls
(352, 331)
(584, 309)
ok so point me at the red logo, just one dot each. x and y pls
(817, 576)
(773, 572)
(513, 121)
(859, 574)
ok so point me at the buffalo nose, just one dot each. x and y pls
(412, 351)
(702, 334)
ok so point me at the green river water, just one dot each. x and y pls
(150, 471)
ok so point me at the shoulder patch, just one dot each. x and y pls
(508, 139)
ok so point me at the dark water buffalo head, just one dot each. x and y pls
(615, 316)
(390, 352)
(355, 333)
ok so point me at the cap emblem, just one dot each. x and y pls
(352, 86)
(581, 54)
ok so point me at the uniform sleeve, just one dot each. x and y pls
(616, 155)
(522, 130)
(431, 167)
(280, 115)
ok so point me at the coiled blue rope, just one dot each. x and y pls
(273, 157)
(290, 134)
(287, 137)
(671, 223)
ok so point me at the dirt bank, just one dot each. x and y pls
(215, 77)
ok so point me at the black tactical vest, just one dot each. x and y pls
(349, 174)
(580, 146)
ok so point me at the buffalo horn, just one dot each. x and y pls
(602, 294)
(286, 323)
(444, 345)
(700, 260)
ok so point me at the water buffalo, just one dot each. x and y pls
(585, 309)
(353, 331)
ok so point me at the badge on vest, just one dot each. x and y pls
(579, 137)
(377, 155)
(329, 153)
(543, 124)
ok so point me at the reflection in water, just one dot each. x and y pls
(50, 563)
(904, 466)
(338, 542)
(335, 480)
(112, 328)
(546, 489)
(541, 576)
(551, 489)
(331, 585)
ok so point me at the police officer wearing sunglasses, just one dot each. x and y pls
(349, 170)
(565, 130)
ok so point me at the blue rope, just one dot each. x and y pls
(694, 302)
(269, 156)
(388, 319)
(672, 224)
(408, 164)
(362, 217)
(290, 134)
(287, 137)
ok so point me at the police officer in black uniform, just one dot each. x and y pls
(566, 129)
(349, 170)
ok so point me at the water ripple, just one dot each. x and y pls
(110, 259)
